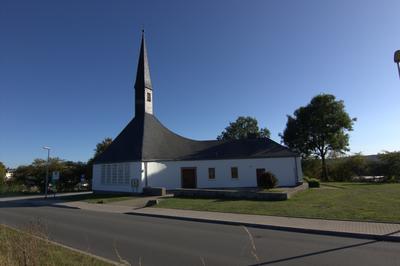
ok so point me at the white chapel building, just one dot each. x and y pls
(148, 154)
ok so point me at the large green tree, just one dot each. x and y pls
(244, 127)
(102, 146)
(34, 174)
(2, 173)
(319, 128)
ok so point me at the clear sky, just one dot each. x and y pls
(67, 68)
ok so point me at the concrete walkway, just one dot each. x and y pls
(379, 231)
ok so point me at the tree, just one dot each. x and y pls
(70, 175)
(243, 128)
(35, 173)
(319, 128)
(391, 164)
(2, 173)
(346, 168)
(102, 146)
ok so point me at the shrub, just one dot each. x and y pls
(347, 168)
(311, 167)
(391, 164)
(312, 182)
(268, 180)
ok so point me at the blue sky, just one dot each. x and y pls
(67, 68)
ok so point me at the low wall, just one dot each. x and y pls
(95, 191)
(154, 191)
(231, 194)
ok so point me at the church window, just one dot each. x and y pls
(114, 174)
(149, 97)
(120, 174)
(234, 172)
(126, 173)
(211, 173)
(108, 173)
(103, 174)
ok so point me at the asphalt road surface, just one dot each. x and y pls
(155, 241)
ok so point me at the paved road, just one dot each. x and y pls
(156, 241)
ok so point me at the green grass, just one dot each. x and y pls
(347, 201)
(15, 190)
(18, 248)
(15, 194)
(99, 198)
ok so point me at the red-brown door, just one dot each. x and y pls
(259, 172)
(188, 178)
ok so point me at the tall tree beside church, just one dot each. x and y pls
(319, 128)
(102, 146)
(244, 127)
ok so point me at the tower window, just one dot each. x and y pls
(149, 97)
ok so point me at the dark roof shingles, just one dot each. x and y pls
(146, 139)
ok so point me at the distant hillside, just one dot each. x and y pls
(369, 158)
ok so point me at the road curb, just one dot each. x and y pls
(388, 237)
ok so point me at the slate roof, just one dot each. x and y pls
(146, 139)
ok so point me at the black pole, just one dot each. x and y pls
(47, 174)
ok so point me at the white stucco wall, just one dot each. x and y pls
(168, 173)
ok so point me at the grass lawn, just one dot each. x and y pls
(15, 194)
(347, 201)
(18, 248)
(99, 198)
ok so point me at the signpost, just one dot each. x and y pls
(46, 181)
(54, 179)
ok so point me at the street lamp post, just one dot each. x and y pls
(397, 60)
(47, 171)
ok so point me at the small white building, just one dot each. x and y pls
(9, 174)
(146, 153)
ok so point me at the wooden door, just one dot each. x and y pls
(259, 172)
(188, 178)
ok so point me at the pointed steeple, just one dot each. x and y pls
(143, 87)
(143, 73)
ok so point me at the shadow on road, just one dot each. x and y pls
(322, 251)
(315, 253)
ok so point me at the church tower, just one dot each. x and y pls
(143, 88)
